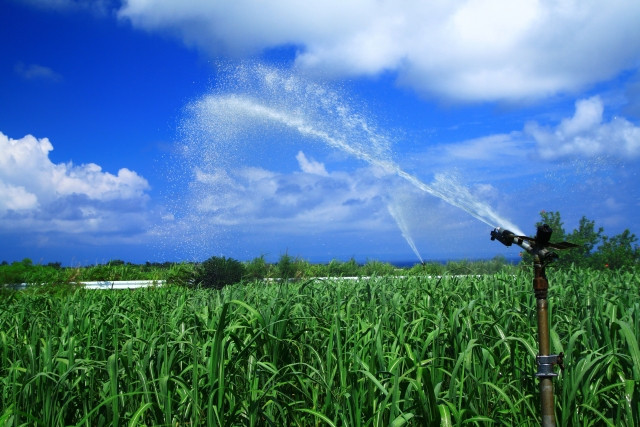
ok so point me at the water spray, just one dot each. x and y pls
(539, 247)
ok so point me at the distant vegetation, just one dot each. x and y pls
(596, 251)
(217, 272)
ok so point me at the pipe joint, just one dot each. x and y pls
(546, 364)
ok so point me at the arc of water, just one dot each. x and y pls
(456, 196)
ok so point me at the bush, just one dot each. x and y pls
(349, 268)
(257, 269)
(27, 272)
(286, 266)
(378, 268)
(182, 274)
(217, 272)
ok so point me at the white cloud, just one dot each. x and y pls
(301, 200)
(489, 148)
(16, 198)
(310, 166)
(464, 50)
(39, 195)
(586, 134)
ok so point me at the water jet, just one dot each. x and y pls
(261, 100)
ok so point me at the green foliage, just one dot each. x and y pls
(380, 352)
(218, 272)
(595, 249)
(26, 271)
(377, 268)
(463, 267)
(349, 268)
(619, 251)
(257, 268)
(286, 266)
(14, 273)
(429, 269)
(182, 274)
(586, 237)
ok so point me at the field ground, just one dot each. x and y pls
(384, 351)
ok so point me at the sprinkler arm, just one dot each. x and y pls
(508, 238)
(538, 246)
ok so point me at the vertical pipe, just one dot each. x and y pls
(541, 287)
(546, 385)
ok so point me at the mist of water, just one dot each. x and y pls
(443, 188)
(399, 218)
(255, 96)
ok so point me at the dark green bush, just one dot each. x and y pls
(217, 272)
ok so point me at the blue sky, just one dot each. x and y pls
(161, 130)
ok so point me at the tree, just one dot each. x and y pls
(619, 251)
(217, 272)
(586, 237)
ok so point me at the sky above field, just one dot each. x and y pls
(155, 130)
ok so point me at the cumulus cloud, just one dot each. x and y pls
(39, 195)
(304, 199)
(465, 50)
(586, 134)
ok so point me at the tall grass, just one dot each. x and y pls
(385, 351)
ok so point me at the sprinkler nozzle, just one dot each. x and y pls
(505, 237)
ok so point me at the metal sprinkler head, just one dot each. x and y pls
(538, 246)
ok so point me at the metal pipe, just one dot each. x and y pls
(547, 405)
(541, 287)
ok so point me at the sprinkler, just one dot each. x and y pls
(539, 247)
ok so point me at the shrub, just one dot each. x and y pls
(286, 267)
(182, 274)
(429, 268)
(349, 268)
(257, 268)
(378, 268)
(27, 272)
(217, 272)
